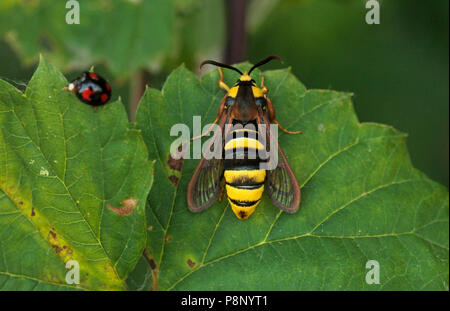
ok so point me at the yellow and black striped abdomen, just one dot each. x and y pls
(243, 176)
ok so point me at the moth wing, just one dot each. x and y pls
(281, 184)
(205, 184)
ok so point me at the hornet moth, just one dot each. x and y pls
(244, 103)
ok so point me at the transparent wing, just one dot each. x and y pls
(205, 184)
(281, 184)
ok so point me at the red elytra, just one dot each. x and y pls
(93, 75)
(104, 97)
(86, 94)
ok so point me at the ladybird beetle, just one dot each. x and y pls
(91, 89)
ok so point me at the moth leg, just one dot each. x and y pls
(222, 84)
(264, 89)
(207, 132)
(219, 115)
(271, 112)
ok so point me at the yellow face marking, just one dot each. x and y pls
(245, 77)
(233, 91)
(243, 142)
(254, 175)
(247, 195)
(257, 92)
(242, 212)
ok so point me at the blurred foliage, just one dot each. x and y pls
(120, 37)
(398, 70)
(126, 35)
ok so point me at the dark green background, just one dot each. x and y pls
(398, 70)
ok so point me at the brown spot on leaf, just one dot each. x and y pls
(168, 238)
(53, 234)
(32, 211)
(57, 244)
(174, 180)
(57, 248)
(20, 203)
(190, 263)
(175, 164)
(150, 228)
(126, 208)
(152, 264)
(68, 249)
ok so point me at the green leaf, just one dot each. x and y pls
(361, 200)
(64, 171)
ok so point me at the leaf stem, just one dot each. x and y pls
(236, 30)
(137, 88)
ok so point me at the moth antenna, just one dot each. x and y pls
(265, 61)
(212, 62)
